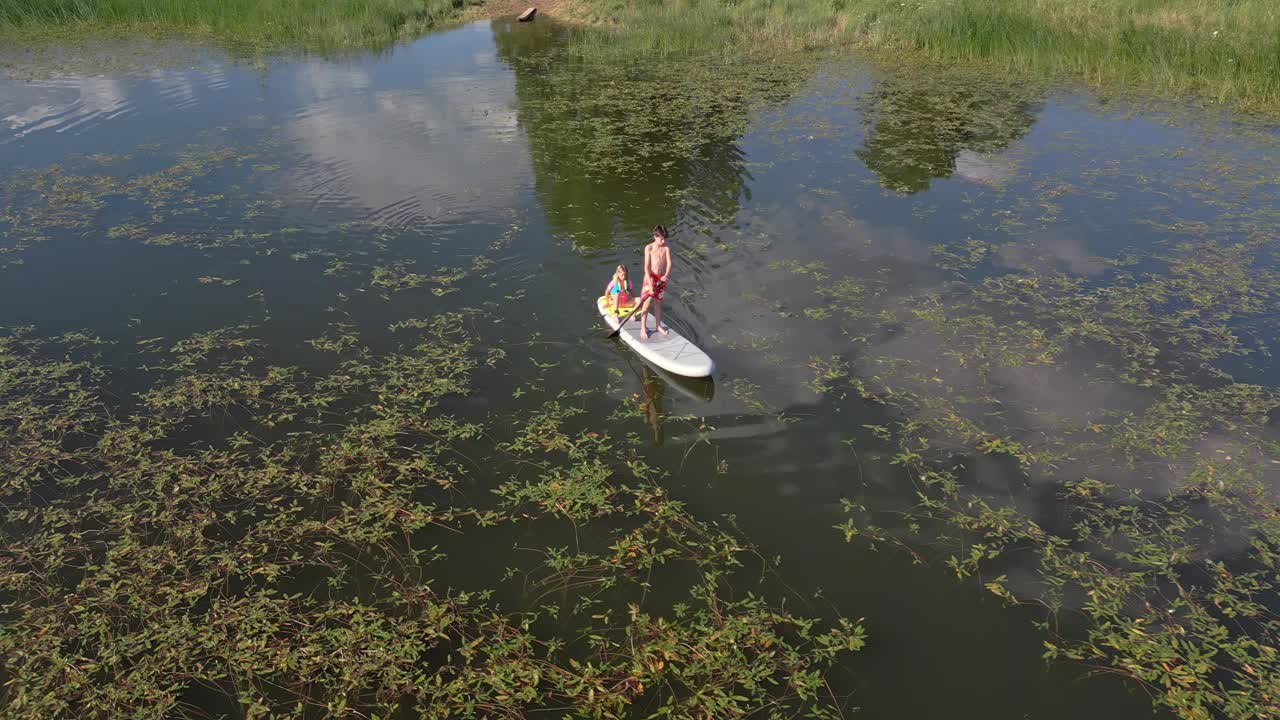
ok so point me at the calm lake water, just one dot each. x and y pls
(471, 166)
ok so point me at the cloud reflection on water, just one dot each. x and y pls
(450, 145)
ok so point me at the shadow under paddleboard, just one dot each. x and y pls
(701, 389)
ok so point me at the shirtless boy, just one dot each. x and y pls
(657, 268)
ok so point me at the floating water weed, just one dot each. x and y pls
(1165, 578)
(291, 573)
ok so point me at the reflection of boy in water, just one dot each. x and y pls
(652, 385)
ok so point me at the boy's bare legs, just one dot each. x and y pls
(644, 317)
(658, 317)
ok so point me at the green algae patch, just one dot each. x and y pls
(222, 525)
(1086, 428)
(1157, 559)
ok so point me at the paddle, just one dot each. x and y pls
(635, 310)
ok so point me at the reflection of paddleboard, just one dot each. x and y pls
(702, 389)
(671, 352)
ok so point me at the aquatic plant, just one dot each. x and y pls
(1168, 558)
(158, 567)
(239, 528)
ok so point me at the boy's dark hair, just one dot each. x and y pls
(659, 230)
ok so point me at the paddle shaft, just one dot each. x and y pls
(634, 311)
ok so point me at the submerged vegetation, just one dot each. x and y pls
(235, 514)
(148, 576)
(194, 529)
(1076, 438)
(1163, 532)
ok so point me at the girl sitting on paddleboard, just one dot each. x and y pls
(619, 289)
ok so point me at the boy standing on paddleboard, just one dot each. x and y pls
(657, 268)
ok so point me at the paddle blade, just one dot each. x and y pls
(621, 325)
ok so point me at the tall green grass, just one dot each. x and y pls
(259, 23)
(1225, 50)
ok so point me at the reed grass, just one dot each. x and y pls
(1223, 50)
(256, 23)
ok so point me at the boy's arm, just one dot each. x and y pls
(667, 274)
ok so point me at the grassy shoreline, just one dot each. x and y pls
(1223, 52)
(1226, 52)
(258, 24)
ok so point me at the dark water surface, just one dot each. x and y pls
(305, 181)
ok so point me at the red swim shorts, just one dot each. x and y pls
(656, 286)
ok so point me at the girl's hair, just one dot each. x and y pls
(659, 230)
(623, 268)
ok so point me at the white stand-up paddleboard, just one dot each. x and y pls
(671, 352)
